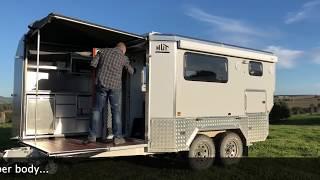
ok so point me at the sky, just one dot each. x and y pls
(289, 28)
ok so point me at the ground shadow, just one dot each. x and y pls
(165, 167)
(160, 161)
(5, 141)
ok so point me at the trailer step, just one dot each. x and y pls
(74, 146)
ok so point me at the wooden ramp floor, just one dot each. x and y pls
(75, 145)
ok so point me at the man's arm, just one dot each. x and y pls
(127, 65)
(95, 61)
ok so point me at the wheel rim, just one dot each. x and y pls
(231, 149)
(202, 151)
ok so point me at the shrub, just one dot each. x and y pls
(279, 111)
(296, 110)
(8, 116)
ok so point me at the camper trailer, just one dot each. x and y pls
(208, 98)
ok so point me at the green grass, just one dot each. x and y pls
(297, 137)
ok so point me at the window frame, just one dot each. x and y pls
(250, 67)
(208, 55)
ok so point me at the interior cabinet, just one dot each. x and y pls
(64, 94)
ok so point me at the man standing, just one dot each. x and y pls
(109, 63)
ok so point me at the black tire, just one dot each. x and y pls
(201, 152)
(230, 148)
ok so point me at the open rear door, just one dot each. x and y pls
(57, 33)
(78, 35)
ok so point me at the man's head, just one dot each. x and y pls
(122, 47)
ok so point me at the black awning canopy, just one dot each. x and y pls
(73, 34)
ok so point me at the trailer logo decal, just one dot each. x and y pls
(162, 48)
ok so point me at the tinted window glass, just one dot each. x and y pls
(255, 68)
(199, 67)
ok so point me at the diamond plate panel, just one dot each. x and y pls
(171, 135)
(258, 127)
(163, 135)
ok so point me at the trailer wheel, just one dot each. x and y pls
(201, 153)
(231, 148)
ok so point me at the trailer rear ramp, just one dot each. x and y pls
(73, 147)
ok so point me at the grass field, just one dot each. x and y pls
(297, 137)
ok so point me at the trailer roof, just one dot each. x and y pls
(81, 35)
(177, 37)
(59, 29)
(196, 44)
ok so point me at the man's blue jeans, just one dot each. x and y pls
(102, 96)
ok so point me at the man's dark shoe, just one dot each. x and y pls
(119, 140)
(107, 141)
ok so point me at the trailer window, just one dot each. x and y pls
(255, 68)
(200, 67)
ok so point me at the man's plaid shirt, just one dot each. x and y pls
(109, 63)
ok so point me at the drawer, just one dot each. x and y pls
(84, 102)
(65, 125)
(66, 110)
(65, 99)
(83, 125)
(71, 125)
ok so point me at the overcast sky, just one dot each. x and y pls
(289, 28)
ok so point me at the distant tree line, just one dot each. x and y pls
(281, 111)
(300, 110)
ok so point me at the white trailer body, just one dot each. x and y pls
(181, 108)
(186, 87)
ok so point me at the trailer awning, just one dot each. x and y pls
(77, 34)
